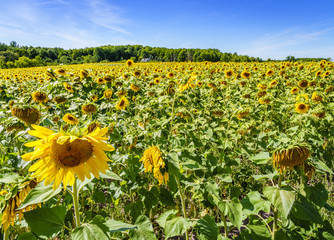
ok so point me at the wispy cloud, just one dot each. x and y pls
(67, 24)
(289, 41)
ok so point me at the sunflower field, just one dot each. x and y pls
(167, 151)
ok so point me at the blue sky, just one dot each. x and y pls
(263, 28)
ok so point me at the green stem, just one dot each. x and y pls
(183, 204)
(275, 210)
(225, 225)
(75, 196)
(6, 234)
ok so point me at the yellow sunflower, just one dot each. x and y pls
(122, 104)
(89, 108)
(70, 119)
(301, 107)
(108, 93)
(64, 156)
(129, 63)
(134, 88)
(245, 74)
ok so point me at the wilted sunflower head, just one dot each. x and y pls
(59, 99)
(28, 115)
(88, 108)
(39, 97)
(290, 157)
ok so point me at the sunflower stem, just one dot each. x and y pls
(183, 204)
(75, 196)
(275, 210)
(6, 234)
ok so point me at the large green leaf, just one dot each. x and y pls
(282, 198)
(9, 178)
(176, 226)
(161, 220)
(46, 222)
(117, 226)
(89, 231)
(317, 194)
(253, 203)
(144, 229)
(305, 210)
(27, 236)
(319, 165)
(207, 228)
(111, 175)
(39, 194)
(260, 158)
(234, 212)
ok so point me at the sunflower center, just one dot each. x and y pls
(302, 106)
(71, 154)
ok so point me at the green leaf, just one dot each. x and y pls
(9, 178)
(111, 175)
(323, 167)
(207, 228)
(234, 212)
(166, 197)
(260, 158)
(161, 220)
(117, 226)
(305, 210)
(144, 229)
(282, 198)
(254, 203)
(269, 176)
(317, 194)
(39, 194)
(89, 231)
(46, 222)
(27, 236)
(176, 226)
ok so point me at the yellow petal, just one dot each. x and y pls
(42, 130)
(36, 165)
(62, 139)
(27, 156)
(37, 134)
(33, 144)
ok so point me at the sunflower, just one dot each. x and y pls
(60, 71)
(122, 104)
(100, 80)
(108, 79)
(290, 157)
(157, 81)
(262, 86)
(59, 99)
(70, 119)
(129, 63)
(318, 74)
(68, 87)
(93, 126)
(27, 115)
(303, 84)
(269, 73)
(242, 114)
(302, 96)
(246, 74)
(134, 88)
(10, 213)
(316, 98)
(84, 73)
(294, 90)
(171, 75)
(153, 162)
(88, 108)
(261, 94)
(264, 100)
(273, 83)
(229, 73)
(64, 156)
(301, 107)
(329, 89)
(122, 93)
(136, 73)
(39, 97)
(108, 93)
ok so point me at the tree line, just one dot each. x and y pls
(15, 56)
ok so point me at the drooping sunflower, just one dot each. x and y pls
(301, 107)
(93, 126)
(64, 156)
(134, 87)
(316, 98)
(59, 99)
(122, 104)
(10, 213)
(153, 162)
(290, 157)
(28, 115)
(39, 97)
(242, 114)
(70, 119)
(89, 108)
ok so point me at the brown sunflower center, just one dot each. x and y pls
(71, 154)
(301, 106)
